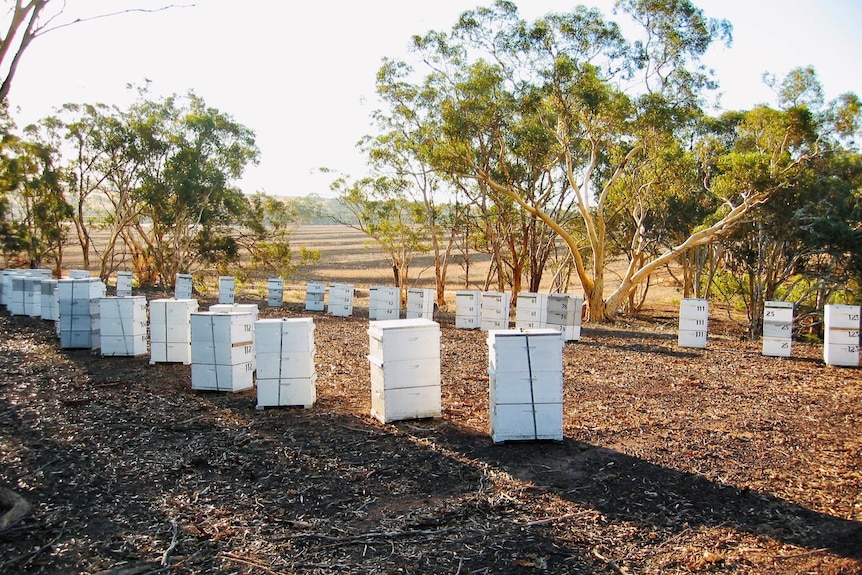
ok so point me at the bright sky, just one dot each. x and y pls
(301, 75)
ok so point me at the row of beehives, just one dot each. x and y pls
(474, 309)
(230, 349)
(841, 329)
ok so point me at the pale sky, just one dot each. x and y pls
(301, 75)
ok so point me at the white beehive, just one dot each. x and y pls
(286, 373)
(495, 310)
(15, 302)
(315, 294)
(183, 287)
(222, 351)
(841, 334)
(420, 303)
(124, 284)
(384, 302)
(226, 287)
(531, 310)
(78, 306)
(777, 328)
(123, 325)
(340, 300)
(32, 296)
(78, 274)
(564, 315)
(274, 292)
(693, 322)
(525, 377)
(468, 309)
(48, 301)
(170, 330)
(404, 359)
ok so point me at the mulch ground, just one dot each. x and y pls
(674, 461)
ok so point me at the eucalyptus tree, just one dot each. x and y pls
(568, 96)
(397, 153)
(392, 222)
(804, 243)
(36, 202)
(186, 155)
(480, 109)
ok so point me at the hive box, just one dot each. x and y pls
(468, 309)
(404, 363)
(841, 335)
(275, 292)
(183, 286)
(693, 322)
(286, 372)
(124, 284)
(777, 328)
(170, 330)
(315, 293)
(525, 385)
(420, 303)
(531, 310)
(384, 302)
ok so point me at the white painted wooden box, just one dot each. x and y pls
(420, 303)
(468, 309)
(384, 302)
(404, 363)
(531, 310)
(693, 323)
(124, 284)
(841, 334)
(274, 292)
(777, 329)
(340, 300)
(525, 385)
(183, 286)
(315, 295)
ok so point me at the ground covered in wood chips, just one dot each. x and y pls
(674, 461)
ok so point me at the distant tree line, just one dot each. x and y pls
(146, 188)
(560, 145)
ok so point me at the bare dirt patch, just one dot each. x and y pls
(674, 461)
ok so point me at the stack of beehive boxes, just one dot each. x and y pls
(274, 292)
(531, 310)
(123, 322)
(239, 308)
(286, 373)
(495, 310)
(525, 369)
(124, 284)
(22, 292)
(468, 309)
(777, 328)
(340, 300)
(564, 315)
(170, 330)
(226, 289)
(384, 302)
(420, 303)
(222, 351)
(48, 301)
(78, 303)
(841, 335)
(183, 286)
(33, 296)
(315, 292)
(693, 322)
(404, 357)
